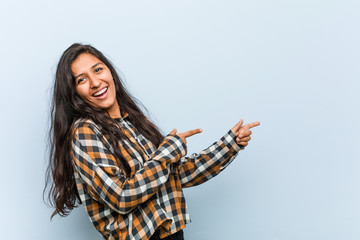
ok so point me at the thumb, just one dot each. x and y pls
(173, 132)
(237, 126)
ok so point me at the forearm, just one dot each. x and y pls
(199, 168)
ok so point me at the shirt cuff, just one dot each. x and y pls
(170, 150)
(229, 140)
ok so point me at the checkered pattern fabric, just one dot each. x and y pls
(132, 208)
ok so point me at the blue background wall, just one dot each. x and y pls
(293, 65)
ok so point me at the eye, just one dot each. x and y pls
(98, 69)
(80, 80)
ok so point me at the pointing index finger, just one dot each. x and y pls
(192, 132)
(251, 125)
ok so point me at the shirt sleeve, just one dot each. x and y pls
(105, 181)
(198, 168)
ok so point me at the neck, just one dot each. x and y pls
(114, 110)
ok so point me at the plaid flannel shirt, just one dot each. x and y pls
(132, 208)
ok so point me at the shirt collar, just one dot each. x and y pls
(123, 116)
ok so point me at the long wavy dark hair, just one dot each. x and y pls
(67, 107)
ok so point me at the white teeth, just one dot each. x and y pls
(100, 92)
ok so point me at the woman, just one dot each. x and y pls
(107, 155)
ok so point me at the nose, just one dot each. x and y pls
(94, 82)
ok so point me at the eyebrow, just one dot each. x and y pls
(91, 67)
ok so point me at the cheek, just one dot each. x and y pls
(81, 91)
(113, 87)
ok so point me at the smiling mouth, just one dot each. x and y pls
(101, 92)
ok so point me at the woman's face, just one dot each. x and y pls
(94, 83)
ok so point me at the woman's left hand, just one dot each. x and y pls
(243, 133)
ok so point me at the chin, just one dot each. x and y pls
(104, 107)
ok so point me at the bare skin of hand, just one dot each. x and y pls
(184, 135)
(243, 133)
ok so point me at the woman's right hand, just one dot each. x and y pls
(184, 135)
